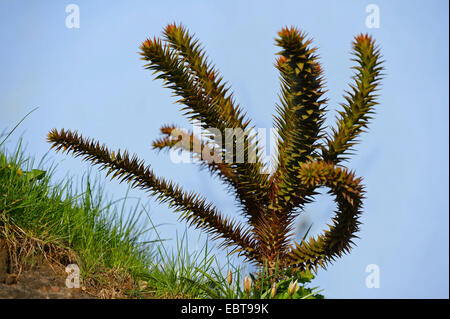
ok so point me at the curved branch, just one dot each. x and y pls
(337, 240)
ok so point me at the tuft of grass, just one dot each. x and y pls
(179, 273)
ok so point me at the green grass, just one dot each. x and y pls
(104, 241)
(117, 249)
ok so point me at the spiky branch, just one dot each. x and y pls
(192, 208)
(360, 100)
(338, 238)
(182, 64)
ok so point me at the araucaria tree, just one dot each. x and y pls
(308, 156)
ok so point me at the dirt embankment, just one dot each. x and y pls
(41, 281)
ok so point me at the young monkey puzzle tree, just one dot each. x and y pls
(308, 157)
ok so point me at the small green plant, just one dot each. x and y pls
(261, 285)
(308, 157)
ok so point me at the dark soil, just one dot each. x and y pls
(42, 281)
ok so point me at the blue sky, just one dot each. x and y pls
(92, 79)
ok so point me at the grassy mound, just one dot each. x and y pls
(41, 222)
